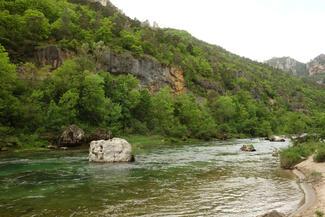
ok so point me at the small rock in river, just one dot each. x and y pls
(248, 148)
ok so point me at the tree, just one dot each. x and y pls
(122, 90)
(36, 26)
(195, 117)
(9, 103)
(93, 104)
(163, 109)
(131, 41)
(104, 32)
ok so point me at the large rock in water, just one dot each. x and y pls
(72, 136)
(110, 151)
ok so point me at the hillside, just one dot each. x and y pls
(79, 62)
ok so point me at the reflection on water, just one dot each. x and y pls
(211, 179)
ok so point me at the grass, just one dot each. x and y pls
(295, 154)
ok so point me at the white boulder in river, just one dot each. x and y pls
(110, 151)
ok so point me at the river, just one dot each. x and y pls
(205, 179)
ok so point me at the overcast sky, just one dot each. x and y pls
(257, 29)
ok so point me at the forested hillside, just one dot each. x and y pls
(54, 73)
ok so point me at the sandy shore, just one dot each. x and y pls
(312, 176)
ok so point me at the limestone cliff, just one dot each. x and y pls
(149, 71)
(317, 65)
(288, 64)
(315, 69)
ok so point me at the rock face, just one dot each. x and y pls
(289, 65)
(314, 69)
(51, 55)
(248, 148)
(273, 214)
(72, 136)
(149, 71)
(102, 2)
(317, 65)
(110, 151)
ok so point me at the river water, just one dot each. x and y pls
(206, 179)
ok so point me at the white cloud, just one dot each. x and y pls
(258, 29)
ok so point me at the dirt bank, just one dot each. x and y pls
(313, 186)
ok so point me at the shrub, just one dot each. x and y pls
(319, 213)
(295, 154)
(320, 154)
(290, 157)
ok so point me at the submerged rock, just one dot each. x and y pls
(52, 147)
(4, 149)
(110, 151)
(248, 148)
(72, 136)
(275, 152)
(274, 213)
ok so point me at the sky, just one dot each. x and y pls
(257, 29)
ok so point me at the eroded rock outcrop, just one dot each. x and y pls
(110, 151)
(288, 64)
(148, 70)
(51, 55)
(71, 136)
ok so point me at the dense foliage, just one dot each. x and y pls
(226, 96)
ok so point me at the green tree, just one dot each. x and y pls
(93, 103)
(36, 26)
(163, 109)
(9, 103)
(104, 32)
(195, 117)
(131, 41)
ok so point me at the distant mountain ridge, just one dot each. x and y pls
(288, 64)
(314, 68)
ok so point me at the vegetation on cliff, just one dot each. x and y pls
(226, 95)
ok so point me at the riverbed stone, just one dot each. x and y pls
(248, 148)
(110, 151)
(273, 213)
(72, 136)
(277, 139)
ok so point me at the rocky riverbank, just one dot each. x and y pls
(314, 174)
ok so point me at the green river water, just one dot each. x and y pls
(206, 179)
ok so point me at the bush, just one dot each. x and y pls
(290, 157)
(319, 213)
(320, 154)
(293, 155)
